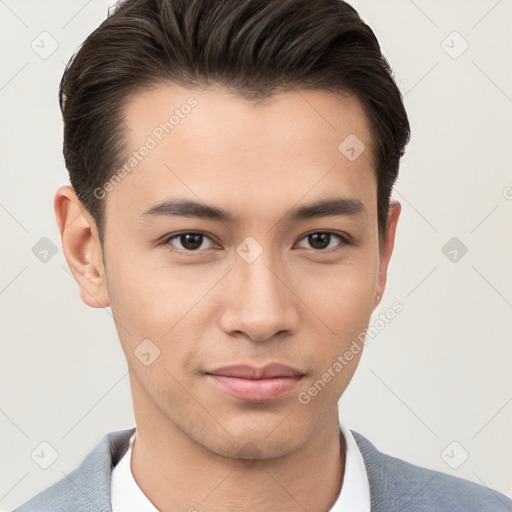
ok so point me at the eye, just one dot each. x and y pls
(189, 241)
(322, 240)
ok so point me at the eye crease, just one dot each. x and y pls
(192, 241)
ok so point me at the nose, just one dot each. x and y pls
(260, 305)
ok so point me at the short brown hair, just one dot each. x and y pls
(255, 48)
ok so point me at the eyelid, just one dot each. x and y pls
(345, 238)
(166, 240)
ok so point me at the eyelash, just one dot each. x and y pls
(344, 240)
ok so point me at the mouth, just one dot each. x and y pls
(256, 384)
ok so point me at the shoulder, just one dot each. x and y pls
(87, 488)
(399, 485)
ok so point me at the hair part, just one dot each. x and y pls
(254, 48)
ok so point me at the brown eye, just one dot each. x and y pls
(321, 240)
(188, 242)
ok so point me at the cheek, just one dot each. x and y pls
(343, 295)
(147, 292)
(163, 304)
(140, 301)
(343, 303)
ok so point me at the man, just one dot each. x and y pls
(231, 166)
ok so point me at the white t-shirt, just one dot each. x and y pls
(127, 496)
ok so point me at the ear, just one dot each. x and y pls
(387, 248)
(81, 247)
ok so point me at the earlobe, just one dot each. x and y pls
(81, 247)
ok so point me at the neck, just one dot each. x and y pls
(176, 473)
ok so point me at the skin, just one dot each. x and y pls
(295, 304)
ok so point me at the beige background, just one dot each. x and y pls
(439, 373)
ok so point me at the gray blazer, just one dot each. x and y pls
(395, 485)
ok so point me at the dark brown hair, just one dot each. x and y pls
(255, 48)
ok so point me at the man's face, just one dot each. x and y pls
(253, 290)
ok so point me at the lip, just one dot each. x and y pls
(257, 384)
(247, 371)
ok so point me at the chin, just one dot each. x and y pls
(263, 438)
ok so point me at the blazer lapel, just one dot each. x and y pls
(89, 484)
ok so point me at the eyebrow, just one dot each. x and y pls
(335, 206)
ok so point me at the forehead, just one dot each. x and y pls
(217, 115)
(211, 143)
